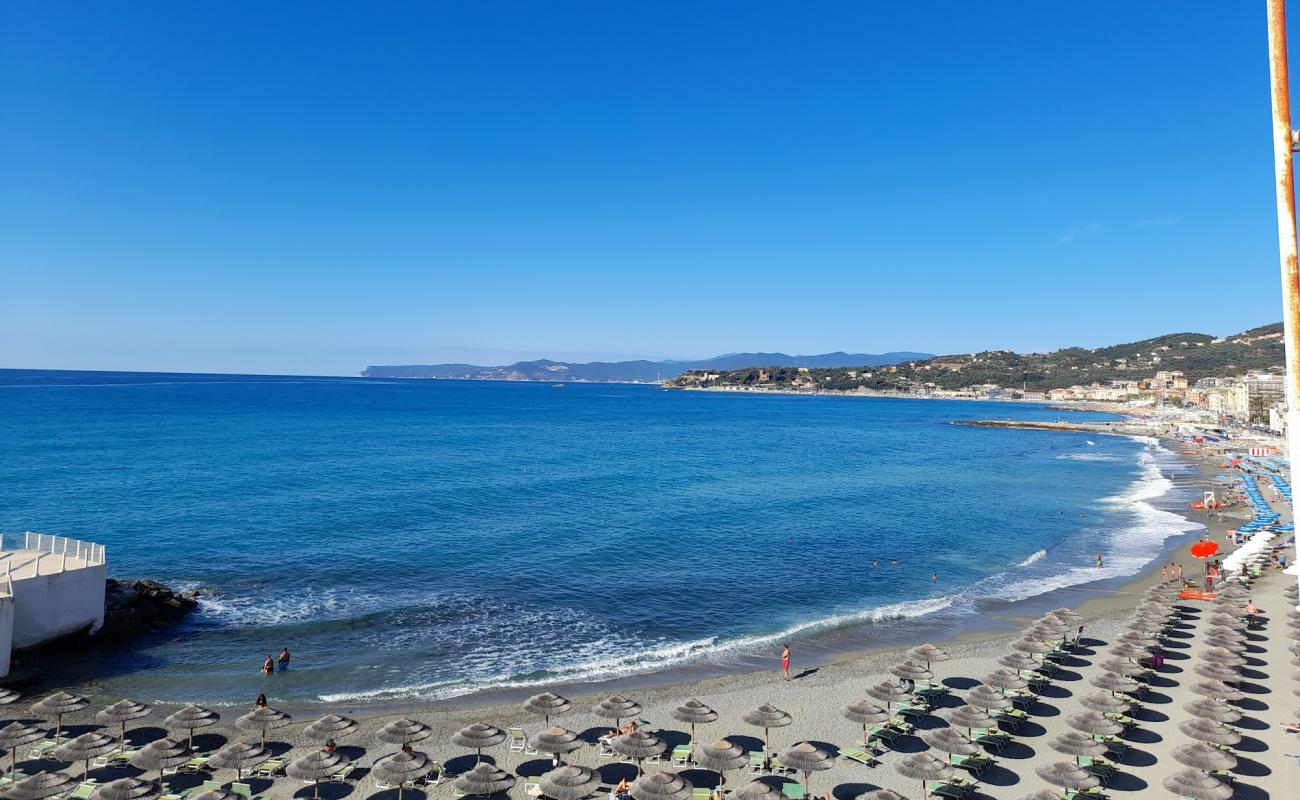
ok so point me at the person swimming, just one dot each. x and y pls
(268, 666)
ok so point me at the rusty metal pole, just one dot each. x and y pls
(1283, 167)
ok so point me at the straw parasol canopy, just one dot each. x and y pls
(330, 726)
(1138, 638)
(159, 755)
(191, 718)
(969, 717)
(924, 767)
(1121, 667)
(638, 746)
(721, 756)
(757, 790)
(911, 671)
(865, 713)
(483, 780)
(122, 712)
(1197, 785)
(1207, 730)
(1104, 703)
(1067, 615)
(15, 735)
(1199, 755)
(314, 766)
(693, 713)
(950, 740)
(557, 741)
(1113, 682)
(239, 756)
(40, 786)
(58, 704)
(1018, 661)
(214, 794)
(263, 719)
(1212, 709)
(661, 786)
(404, 731)
(1031, 646)
(85, 747)
(929, 654)
(1067, 775)
(987, 698)
(1216, 672)
(130, 789)
(807, 758)
(547, 705)
(1224, 656)
(1092, 722)
(768, 716)
(1129, 650)
(569, 783)
(884, 794)
(401, 768)
(1217, 690)
(1073, 743)
(1004, 679)
(1231, 645)
(476, 737)
(616, 707)
(1041, 794)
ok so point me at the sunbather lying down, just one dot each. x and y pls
(1291, 727)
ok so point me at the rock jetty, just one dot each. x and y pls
(132, 607)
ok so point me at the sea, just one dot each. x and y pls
(447, 541)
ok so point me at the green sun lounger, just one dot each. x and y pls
(973, 764)
(756, 762)
(794, 791)
(860, 756)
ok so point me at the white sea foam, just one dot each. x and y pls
(1088, 457)
(1037, 555)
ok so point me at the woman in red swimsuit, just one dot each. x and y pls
(785, 661)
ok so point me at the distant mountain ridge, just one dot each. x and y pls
(632, 371)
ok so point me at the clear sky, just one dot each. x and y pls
(314, 187)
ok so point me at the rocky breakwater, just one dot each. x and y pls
(133, 607)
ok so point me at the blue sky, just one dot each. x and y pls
(311, 188)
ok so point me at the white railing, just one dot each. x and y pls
(88, 553)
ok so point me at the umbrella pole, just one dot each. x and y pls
(315, 789)
(122, 749)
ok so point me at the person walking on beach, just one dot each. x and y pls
(1251, 611)
(1164, 574)
(785, 662)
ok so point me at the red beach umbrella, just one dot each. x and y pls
(1205, 549)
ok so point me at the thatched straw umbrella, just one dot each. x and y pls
(722, 757)
(929, 654)
(1004, 679)
(865, 713)
(618, 708)
(1224, 656)
(1217, 672)
(569, 783)
(1207, 730)
(1197, 785)
(83, 748)
(484, 780)
(1212, 709)
(661, 786)
(58, 704)
(1094, 723)
(15, 735)
(1114, 682)
(404, 731)
(1032, 646)
(758, 790)
(1066, 775)
(547, 705)
(1231, 645)
(263, 719)
(191, 718)
(239, 756)
(1104, 703)
(159, 755)
(1202, 756)
(950, 740)
(401, 768)
(1120, 666)
(476, 737)
(1217, 690)
(1018, 661)
(130, 789)
(1042, 794)
(330, 726)
(807, 758)
(987, 698)
(40, 786)
(122, 712)
(638, 745)
(969, 717)
(312, 767)
(883, 794)
(1072, 743)
(768, 716)
(220, 793)
(911, 671)
(924, 767)
(1130, 651)
(693, 713)
(557, 740)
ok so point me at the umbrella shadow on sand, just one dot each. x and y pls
(1137, 757)
(1142, 736)
(1126, 782)
(592, 735)
(535, 767)
(1066, 675)
(208, 742)
(959, 683)
(1250, 724)
(1054, 692)
(1250, 768)
(143, 735)
(611, 774)
(458, 764)
(998, 775)
(1149, 715)
(391, 794)
(751, 744)
(1017, 751)
(673, 738)
(851, 791)
(332, 790)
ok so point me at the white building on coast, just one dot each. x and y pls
(50, 586)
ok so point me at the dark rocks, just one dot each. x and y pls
(132, 607)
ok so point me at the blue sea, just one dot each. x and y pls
(415, 541)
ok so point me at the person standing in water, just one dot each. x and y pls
(785, 662)
(284, 658)
(1099, 561)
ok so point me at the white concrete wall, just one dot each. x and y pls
(49, 606)
(6, 632)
